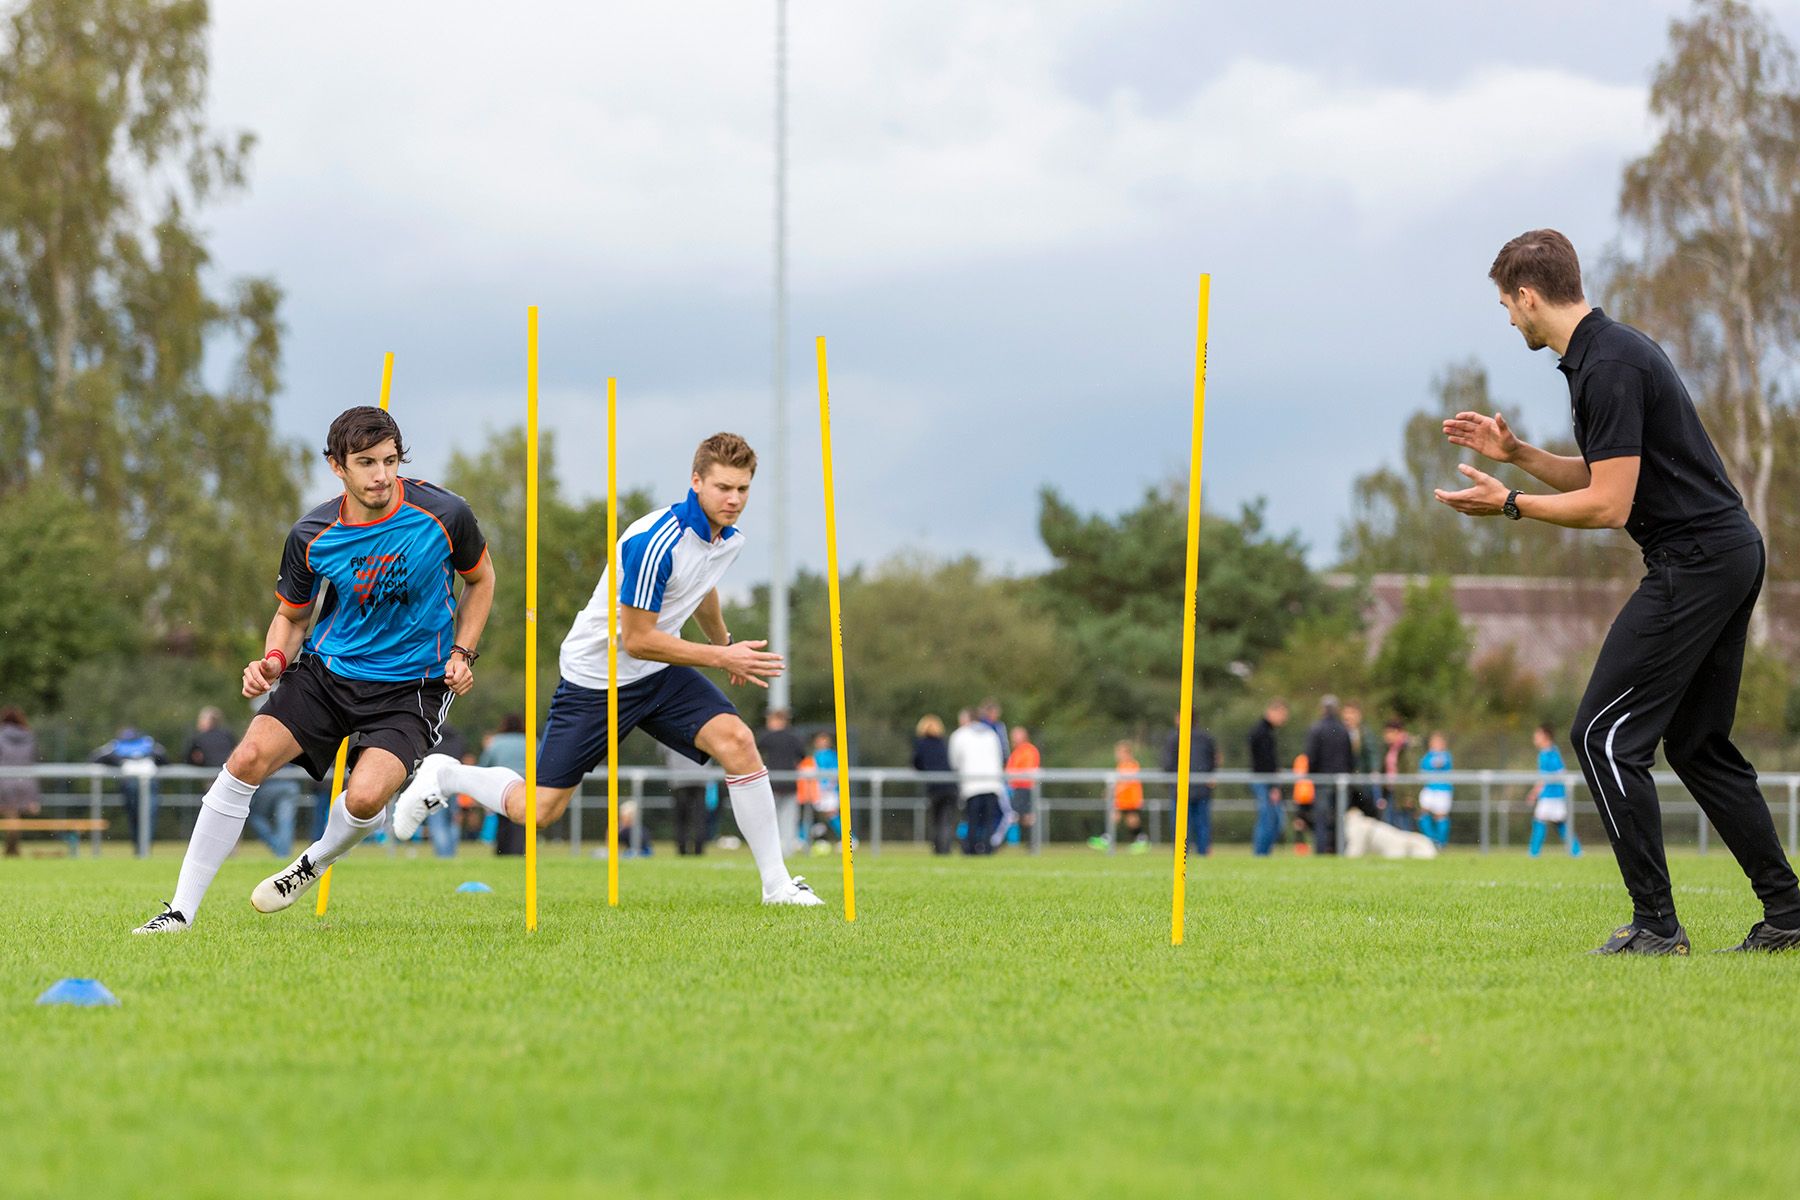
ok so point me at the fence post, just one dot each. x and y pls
(1487, 807)
(637, 823)
(143, 807)
(575, 822)
(1343, 810)
(1037, 817)
(1794, 816)
(1701, 831)
(94, 808)
(1112, 821)
(875, 780)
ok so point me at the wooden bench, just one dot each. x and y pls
(52, 825)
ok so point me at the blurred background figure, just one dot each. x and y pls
(1329, 752)
(687, 792)
(1436, 798)
(211, 743)
(827, 826)
(1364, 797)
(1006, 824)
(506, 747)
(1265, 759)
(1395, 743)
(137, 755)
(1022, 789)
(978, 756)
(932, 753)
(18, 748)
(1128, 799)
(1551, 796)
(782, 749)
(1203, 755)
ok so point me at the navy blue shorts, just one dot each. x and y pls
(671, 706)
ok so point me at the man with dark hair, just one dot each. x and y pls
(1670, 667)
(782, 749)
(1203, 759)
(670, 564)
(392, 646)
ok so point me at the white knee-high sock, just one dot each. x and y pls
(485, 785)
(753, 804)
(342, 833)
(216, 831)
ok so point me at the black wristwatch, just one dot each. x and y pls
(1510, 510)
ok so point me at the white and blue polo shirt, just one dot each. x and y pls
(668, 562)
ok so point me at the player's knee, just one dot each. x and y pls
(1683, 750)
(735, 748)
(248, 764)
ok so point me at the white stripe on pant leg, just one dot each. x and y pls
(1588, 760)
(1613, 733)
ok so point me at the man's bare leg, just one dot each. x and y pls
(267, 746)
(378, 775)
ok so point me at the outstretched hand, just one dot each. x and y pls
(1490, 437)
(748, 662)
(1484, 497)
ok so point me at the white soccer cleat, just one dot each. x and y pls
(421, 798)
(284, 887)
(166, 921)
(797, 893)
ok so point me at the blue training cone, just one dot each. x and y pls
(475, 886)
(87, 993)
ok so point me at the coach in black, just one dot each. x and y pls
(1670, 667)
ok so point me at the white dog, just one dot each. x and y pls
(1364, 836)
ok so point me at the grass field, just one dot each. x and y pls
(1007, 1027)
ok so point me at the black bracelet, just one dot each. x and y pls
(469, 655)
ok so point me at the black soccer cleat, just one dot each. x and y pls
(1629, 939)
(1765, 938)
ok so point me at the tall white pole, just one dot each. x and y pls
(778, 579)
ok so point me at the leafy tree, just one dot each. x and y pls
(1711, 261)
(1423, 666)
(1116, 593)
(61, 592)
(105, 318)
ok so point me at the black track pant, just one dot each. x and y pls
(1669, 672)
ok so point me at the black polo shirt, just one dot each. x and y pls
(1628, 401)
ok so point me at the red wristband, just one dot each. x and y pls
(277, 654)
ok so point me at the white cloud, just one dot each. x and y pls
(632, 144)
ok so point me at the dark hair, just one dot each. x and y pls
(357, 429)
(1547, 731)
(725, 450)
(12, 714)
(512, 723)
(1542, 260)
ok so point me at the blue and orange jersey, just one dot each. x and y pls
(390, 613)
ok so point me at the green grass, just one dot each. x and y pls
(1009, 1027)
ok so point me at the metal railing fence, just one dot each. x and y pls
(882, 796)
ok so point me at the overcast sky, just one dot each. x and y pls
(999, 211)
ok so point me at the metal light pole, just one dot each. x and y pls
(778, 580)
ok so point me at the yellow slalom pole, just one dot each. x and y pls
(612, 643)
(837, 637)
(343, 754)
(531, 598)
(1184, 755)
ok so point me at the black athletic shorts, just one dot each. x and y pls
(322, 709)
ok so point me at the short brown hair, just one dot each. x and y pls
(724, 450)
(356, 429)
(1542, 260)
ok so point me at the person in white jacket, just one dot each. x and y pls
(979, 759)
